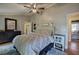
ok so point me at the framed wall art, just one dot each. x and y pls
(10, 24)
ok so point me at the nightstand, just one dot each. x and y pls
(59, 42)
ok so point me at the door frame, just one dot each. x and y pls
(69, 24)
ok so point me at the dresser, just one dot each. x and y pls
(7, 36)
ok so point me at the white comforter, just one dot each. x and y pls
(31, 44)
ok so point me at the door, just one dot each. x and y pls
(27, 28)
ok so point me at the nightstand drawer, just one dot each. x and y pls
(59, 39)
(58, 46)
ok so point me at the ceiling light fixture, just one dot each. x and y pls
(34, 10)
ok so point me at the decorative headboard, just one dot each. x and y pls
(46, 28)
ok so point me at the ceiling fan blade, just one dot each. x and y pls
(34, 6)
(31, 6)
(27, 6)
(30, 11)
(41, 8)
(37, 12)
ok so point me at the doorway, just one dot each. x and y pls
(73, 34)
(27, 28)
(75, 30)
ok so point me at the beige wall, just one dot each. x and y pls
(20, 21)
(57, 15)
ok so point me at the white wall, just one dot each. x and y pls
(58, 15)
(20, 21)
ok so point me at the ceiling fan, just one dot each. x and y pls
(34, 8)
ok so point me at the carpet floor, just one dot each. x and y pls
(7, 49)
(11, 52)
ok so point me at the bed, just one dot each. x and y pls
(39, 42)
(34, 43)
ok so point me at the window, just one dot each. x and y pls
(75, 27)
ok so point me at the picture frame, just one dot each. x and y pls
(10, 24)
(33, 27)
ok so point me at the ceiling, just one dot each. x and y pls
(18, 8)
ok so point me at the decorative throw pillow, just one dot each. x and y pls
(46, 49)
